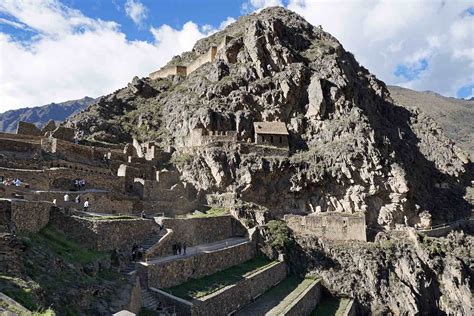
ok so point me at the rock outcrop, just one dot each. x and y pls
(352, 148)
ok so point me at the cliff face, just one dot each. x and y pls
(418, 275)
(455, 116)
(353, 148)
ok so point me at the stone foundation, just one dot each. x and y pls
(26, 216)
(104, 235)
(235, 296)
(171, 273)
(329, 225)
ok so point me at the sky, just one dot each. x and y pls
(58, 50)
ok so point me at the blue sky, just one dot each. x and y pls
(56, 50)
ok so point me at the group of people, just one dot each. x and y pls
(179, 248)
(79, 184)
(77, 200)
(13, 181)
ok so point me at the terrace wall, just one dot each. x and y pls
(237, 295)
(104, 235)
(170, 273)
(27, 216)
(197, 231)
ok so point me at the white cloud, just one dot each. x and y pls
(256, 5)
(384, 33)
(72, 56)
(136, 11)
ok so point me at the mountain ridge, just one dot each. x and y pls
(40, 115)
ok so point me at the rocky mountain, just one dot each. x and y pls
(40, 115)
(455, 116)
(352, 147)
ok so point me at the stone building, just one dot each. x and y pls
(168, 71)
(271, 133)
(25, 128)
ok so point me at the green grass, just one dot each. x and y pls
(212, 283)
(19, 290)
(300, 288)
(330, 306)
(212, 212)
(64, 247)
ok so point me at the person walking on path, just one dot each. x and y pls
(86, 205)
(184, 248)
(66, 198)
(179, 248)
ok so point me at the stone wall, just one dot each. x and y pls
(260, 150)
(168, 71)
(33, 138)
(19, 146)
(199, 137)
(64, 133)
(235, 296)
(306, 302)
(25, 128)
(197, 231)
(170, 273)
(27, 216)
(182, 307)
(330, 225)
(207, 57)
(101, 202)
(272, 140)
(105, 235)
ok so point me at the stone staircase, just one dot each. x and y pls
(130, 269)
(150, 302)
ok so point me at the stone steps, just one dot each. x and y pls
(147, 244)
(150, 302)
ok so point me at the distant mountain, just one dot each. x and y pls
(455, 116)
(40, 115)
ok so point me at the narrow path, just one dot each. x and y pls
(204, 248)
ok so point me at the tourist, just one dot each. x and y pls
(78, 199)
(86, 205)
(143, 214)
(17, 182)
(184, 248)
(54, 202)
(178, 245)
(66, 198)
(175, 249)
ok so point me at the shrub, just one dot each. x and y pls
(278, 235)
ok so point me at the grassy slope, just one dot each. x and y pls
(54, 274)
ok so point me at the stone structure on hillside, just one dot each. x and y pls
(49, 127)
(168, 71)
(64, 133)
(25, 128)
(329, 225)
(271, 133)
(207, 57)
(202, 136)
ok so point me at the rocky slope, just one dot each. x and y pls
(40, 115)
(455, 116)
(396, 275)
(353, 148)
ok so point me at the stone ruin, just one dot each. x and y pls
(25, 128)
(202, 59)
